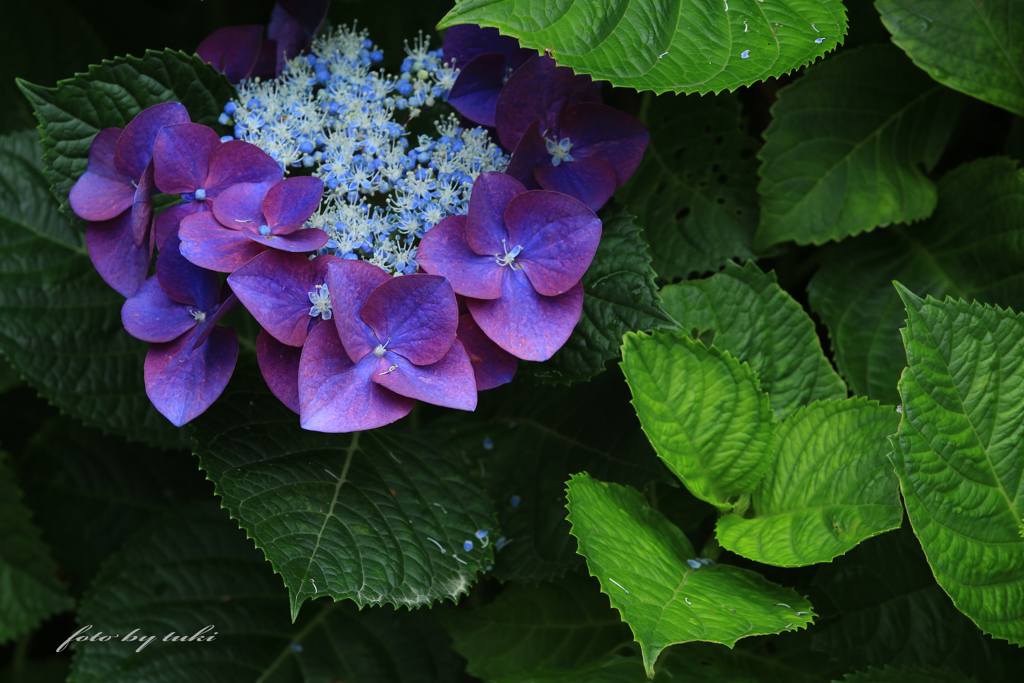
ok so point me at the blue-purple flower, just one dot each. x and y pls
(486, 60)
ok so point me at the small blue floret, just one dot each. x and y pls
(230, 108)
(482, 534)
(296, 647)
(264, 230)
(488, 443)
(694, 563)
(514, 501)
(200, 194)
(467, 546)
(745, 54)
(819, 40)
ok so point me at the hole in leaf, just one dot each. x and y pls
(722, 179)
(682, 213)
(714, 168)
(719, 140)
(721, 200)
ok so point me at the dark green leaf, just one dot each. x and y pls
(619, 296)
(842, 152)
(906, 675)
(973, 247)
(31, 590)
(640, 558)
(377, 516)
(660, 46)
(974, 47)
(757, 322)
(959, 454)
(60, 324)
(695, 192)
(829, 487)
(111, 94)
(194, 569)
(530, 631)
(703, 411)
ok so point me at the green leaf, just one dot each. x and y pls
(891, 611)
(975, 48)
(378, 516)
(959, 454)
(524, 441)
(111, 94)
(640, 559)
(830, 486)
(619, 296)
(532, 631)
(9, 376)
(194, 569)
(972, 247)
(31, 590)
(906, 675)
(842, 151)
(89, 492)
(703, 411)
(60, 324)
(759, 323)
(695, 192)
(692, 47)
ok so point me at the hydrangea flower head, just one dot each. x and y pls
(518, 258)
(485, 60)
(393, 341)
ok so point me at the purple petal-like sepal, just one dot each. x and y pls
(275, 287)
(237, 161)
(112, 251)
(181, 155)
(350, 285)
(182, 381)
(414, 316)
(485, 229)
(208, 244)
(102, 193)
(135, 147)
(444, 251)
(449, 382)
(153, 316)
(492, 365)
(279, 364)
(232, 50)
(290, 202)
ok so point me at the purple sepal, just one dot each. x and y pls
(167, 222)
(530, 153)
(449, 382)
(135, 146)
(209, 326)
(475, 93)
(350, 284)
(492, 365)
(266, 62)
(464, 42)
(237, 161)
(153, 316)
(308, 239)
(528, 325)
(485, 228)
(102, 193)
(233, 50)
(414, 316)
(183, 281)
(279, 364)
(112, 251)
(444, 251)
(275, 288)
(588, 179)
(607, 133)
(242, 204)
(540, 91)
(142, 206)
(337, 395)
(182, 157)
(208, 244)
(182, 381)
(559, 236)
(290, 202)
(293, 25)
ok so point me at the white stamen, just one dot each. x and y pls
(388, 371)
(321, 300)
(331, 473)
(559, 150)
(314, 586)
(509, 259)
(198, 315)
(438, 545)
(617, 584)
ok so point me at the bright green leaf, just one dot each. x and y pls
(972, 247)
(842, 152)
(31, 590)
(830, 486)
(195, 568)
(906, 675)
(959, 454)
(692, 47)
(703, 411)
(695, 192)
(378, 516)
(640, 558)
(525, 440)
(536, 630)
(759, 323)
(891, 611)
(60, 324)
(619, 296)
(974, 47)
(111, 94)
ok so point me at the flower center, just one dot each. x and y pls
(381, 348)
(265, 230)
(200, 194)
(321, 300)
(509, 259)
(559, 150)
(200, 316)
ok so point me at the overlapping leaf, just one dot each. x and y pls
(973, 47)
(31, 590)
(640, 558)
(695, 192)
(959, 454)
(703, 411)
(379, 516)
(842, 152)
(60, 324)
(757, 322)
(973, 247)
(619, 296)
(531, 632)
(697, 47)
(196, 568)
(111, 94)
(829, 487)
(524, 441)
